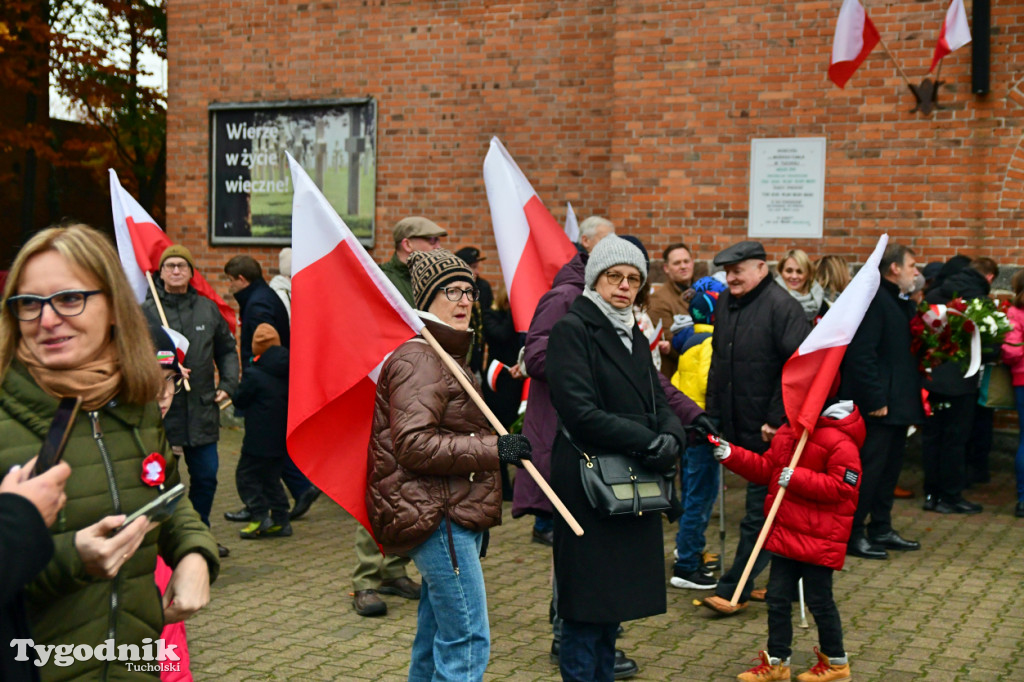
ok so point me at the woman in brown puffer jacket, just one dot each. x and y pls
(433, 486)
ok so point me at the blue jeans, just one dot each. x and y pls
(1018, 392)
(453, 636)
(202, 465)
(699, 489)
(587, 652)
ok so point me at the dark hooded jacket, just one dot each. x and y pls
(194, 417)
(813, 522)
(263, 394)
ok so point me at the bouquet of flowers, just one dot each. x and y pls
(944, 333)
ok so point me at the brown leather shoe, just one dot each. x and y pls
(722, 606)
(902, 493)
(403, 587)
(758, 595)
(367, 603)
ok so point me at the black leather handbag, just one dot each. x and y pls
(619, 485)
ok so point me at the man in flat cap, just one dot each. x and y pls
(414, 233)
(471, 256)
(758, 325)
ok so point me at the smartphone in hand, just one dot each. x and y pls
(159, 509)
(57, 436)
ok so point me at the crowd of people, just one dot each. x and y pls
(677, 379)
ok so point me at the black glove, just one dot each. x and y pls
(705, 426)
(662, 454)
(514, 448)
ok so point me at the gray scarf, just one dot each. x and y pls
(622, 319)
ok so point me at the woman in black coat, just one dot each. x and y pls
(605, 390)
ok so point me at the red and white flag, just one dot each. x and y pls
(855, 37)
(655, 336)
(180, 343)
(572, 228)
(531, 244)
(339, 342)
(811, 374)
(141, 242)
(493, 372)
(954, 33)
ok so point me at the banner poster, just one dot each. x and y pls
(250, 182)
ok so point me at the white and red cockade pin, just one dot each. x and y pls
(153, 468)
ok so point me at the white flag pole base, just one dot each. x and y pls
(528, 467)
(767, 524)
(163, 317)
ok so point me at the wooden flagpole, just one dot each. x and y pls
(460, 375)
(767, 523)
(163, 317)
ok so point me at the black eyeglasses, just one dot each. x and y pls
(455, 294)
(68, 303)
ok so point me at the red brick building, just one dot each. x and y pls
(642, 111)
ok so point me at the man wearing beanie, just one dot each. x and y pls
(757, 327)
(193, 422)
(411, 234)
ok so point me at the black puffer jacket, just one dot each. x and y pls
(754, 336)
(194, 417)
(878, 369)
(263, 394)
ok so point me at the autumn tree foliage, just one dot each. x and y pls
(90, 52)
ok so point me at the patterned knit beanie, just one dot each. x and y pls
(433, 270)
(612, 251)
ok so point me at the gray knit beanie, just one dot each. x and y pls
(612, 251)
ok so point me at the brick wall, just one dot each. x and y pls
(642, 111)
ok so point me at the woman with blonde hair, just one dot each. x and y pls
(70, 326)
(833, 274)
(795, 274)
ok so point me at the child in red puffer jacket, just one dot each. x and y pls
(809, 535)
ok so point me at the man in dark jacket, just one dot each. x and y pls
(757, 327)
(193, 422)
(259, 304)
(953, 397)
(880, 374)
(414, 233)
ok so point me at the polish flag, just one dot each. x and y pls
(141, 242)
(180, 343)
(855, 37)
(493, 371)
(531, 244)
(954, 33)
(655, 336)
(572, 228)
(339, 342)
(811, 375)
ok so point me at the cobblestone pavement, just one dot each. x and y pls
(282, 610)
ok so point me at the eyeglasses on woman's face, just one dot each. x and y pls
(615, 279)
(68, 303)
(455, 294)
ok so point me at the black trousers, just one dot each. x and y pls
(944, 444)
(881, 459)
(750, 528)
(587, 652)
(783, 591)
(259, 485)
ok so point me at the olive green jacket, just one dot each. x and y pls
(398, 273)
(105, 451)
